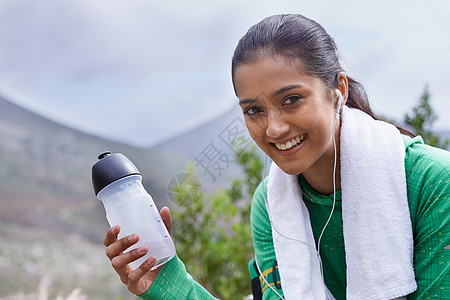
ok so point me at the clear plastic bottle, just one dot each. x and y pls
(118, 184)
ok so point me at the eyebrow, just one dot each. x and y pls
(247, 101)
(277, 92)
(287, 88)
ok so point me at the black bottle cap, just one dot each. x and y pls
(110, 168)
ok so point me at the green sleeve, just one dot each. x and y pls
(263, 245)
(173, 282)
(428, 178)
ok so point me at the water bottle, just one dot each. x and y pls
(118, 185)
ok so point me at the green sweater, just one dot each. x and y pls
(428, 184)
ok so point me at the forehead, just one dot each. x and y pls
(269, 74)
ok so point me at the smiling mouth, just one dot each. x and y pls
(290, 144)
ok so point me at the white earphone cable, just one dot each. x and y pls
(334, 187)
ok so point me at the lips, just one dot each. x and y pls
(290, 144)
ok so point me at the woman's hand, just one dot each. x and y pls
(139, 280)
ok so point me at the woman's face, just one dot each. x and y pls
(288, 114)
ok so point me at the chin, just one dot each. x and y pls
(289, 169)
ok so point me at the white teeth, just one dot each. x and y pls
(291, 143)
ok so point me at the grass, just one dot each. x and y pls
(58, 264)
(43, 291)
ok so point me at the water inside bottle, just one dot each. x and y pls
(161, 250)
(139, 215)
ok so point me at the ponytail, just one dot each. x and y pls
(357, 98)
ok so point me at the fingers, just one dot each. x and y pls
(111, 235)
(167, 219)
(119, 260)
(134, 277)
(122, 260)
(117, 247)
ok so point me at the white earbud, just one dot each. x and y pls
(338, 107)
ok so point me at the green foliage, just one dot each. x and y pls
(213, 236)
(422, 119)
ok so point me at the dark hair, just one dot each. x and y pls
(308, 44)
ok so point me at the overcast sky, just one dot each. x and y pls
(141, 71)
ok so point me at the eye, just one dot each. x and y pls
(291, 100)
(253, 111)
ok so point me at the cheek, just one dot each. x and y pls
(320, 124)
(256, 132)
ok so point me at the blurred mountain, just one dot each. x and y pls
(45, 177)
(45, 167)
(220, 131)
(52, 225)
(211, 147)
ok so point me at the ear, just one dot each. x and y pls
(342, 87)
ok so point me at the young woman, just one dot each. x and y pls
(372, 200)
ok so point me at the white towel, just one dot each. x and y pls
(377, 227)
(298, 263)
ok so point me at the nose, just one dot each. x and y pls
(276, 124)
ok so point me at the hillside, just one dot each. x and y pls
(51, 224)
(45, 172)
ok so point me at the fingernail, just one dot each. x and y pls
(132, 238)
(151, 261)
(142, 250)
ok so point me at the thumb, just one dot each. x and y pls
(167, 219)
